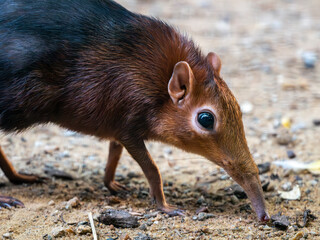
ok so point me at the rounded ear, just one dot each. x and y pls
(215, 62)
(180, 84)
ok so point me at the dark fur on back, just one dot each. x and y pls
(88, 65)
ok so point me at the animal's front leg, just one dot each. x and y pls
(138, 151)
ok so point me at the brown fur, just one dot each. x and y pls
(116, 86)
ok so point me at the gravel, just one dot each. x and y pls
(280, 221)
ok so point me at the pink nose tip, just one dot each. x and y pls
(265, 218)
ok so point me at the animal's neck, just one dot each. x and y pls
(157, 48)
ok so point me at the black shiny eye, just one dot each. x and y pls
(206, 120)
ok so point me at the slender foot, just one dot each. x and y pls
(19, 178)
(115, 150)
(172, 211)
(115, 187)
(9, 202)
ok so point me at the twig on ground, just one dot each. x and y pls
(94, 233)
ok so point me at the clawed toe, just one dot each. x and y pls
(9, 202)
(115, 187)
(177, 212)
(42, 179)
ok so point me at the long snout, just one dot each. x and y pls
(252, 186)
(248, 179)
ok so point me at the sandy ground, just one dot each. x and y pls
(261, 44)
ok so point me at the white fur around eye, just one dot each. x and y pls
(194, 119)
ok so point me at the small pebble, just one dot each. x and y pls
(69, 133)
(201, 200)
(313, 233)
(276, 123)
(290, 229)
(72, 203)
(266, 228)
(83, 229)
(265, 186)
(287, 186)
(149, 222)
(294, 194)
(291, 154)
(284, 137)
(83, 223)
(7, 235)
(309, 59)
(224, 177)
(264, 167)
(237, 190)
(286, 122)
(280, 221)
(151, 215)
(64, 154)
(298, 236)
(125, 236)
(133, 175)
(55, 213)
(246, 107)
(142, 236)
(51, 203)
(143, 227)
(58, 232)
(316, 122)
(202, 216)
(313, 182)
(237, 229)
(274, 176)
(57, 173)
(167, 150)
(47, 237)
(206, 230)
(299, 126)
(249, 237)
(234, 199)
(272, 186)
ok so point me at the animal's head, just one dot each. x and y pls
(204, 117)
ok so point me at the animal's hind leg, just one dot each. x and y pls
(115, 150)
(14, 177)
(12, 174)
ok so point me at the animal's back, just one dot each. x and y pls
(31, 30)
(40, 43)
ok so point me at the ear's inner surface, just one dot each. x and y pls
(184, 91)
(180, 83)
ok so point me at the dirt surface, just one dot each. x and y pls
(262, 44)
